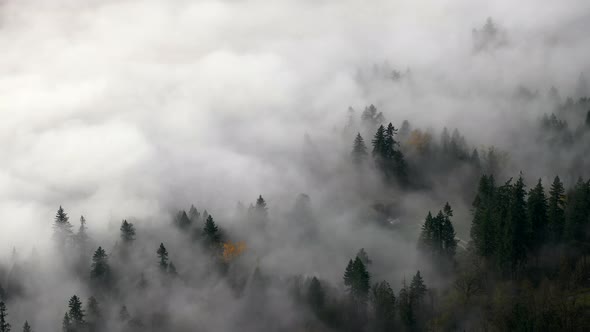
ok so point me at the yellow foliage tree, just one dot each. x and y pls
(420, 140)
(233, 250)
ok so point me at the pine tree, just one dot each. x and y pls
(475, 160)
(406, 307)
(448, 235)
(66, 325)
(577, 212)
(379, 143)
(315, 296)
(62, 229)
(555, 211)
(163, 256)
(417, 288)
(211, 233)
(357, 278)
(76, 313)
(258, 214)
(359, 151)
(82, 235)
(261, 208)
(93, 314)
(4, 326)
(426, 242)
(537, 217)
(388, 159)
(383, 300)
(127, 232)
(27, 327)
(514, 240)
(483, 229)
(182, 220)
(100, 269)
(194, 214)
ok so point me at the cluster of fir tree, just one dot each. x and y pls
(364, 306)
(437, 237)
(510, 225)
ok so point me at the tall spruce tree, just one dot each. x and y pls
(82, 235)
(577, 213)
(66, 325)
(357, 278)
(182, 220)
(383, 301)
(406, 307)
(194, 214)
(513, 253)
(4, 325)
(359, 151)
(537, 217)
(127, 232)
(76, 314)
(556, 210)
(62, 229)
(27, 327)
(100, 269)
(163, 257)
(211, 234)
(93, 315)
(483, 229)
(316, 296)
(448, 235)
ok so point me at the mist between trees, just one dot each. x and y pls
(217, 166)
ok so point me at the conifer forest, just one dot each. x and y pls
(320, 166)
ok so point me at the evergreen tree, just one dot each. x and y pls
(357, 278)
(100, 269)
(193, 214)
(448, 240)
(370, 118)
(182, 220)
(315, 296)
(406, 307)
(383, 300)
(475, 160)
(93, 314)
(417, 288)
(62, 229)
(82, 235)
(211, 233)
(537, 216)
(379, 143)
(127, 232)
(27, 327)
(261, 208)
(483, 229)
(4, 326)
(359, 150)
(514, 240)
(66, 325)
(163, 256)
(388, 158)
(426, 242)
(555, 211)
(577, 212)
(76, 314)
